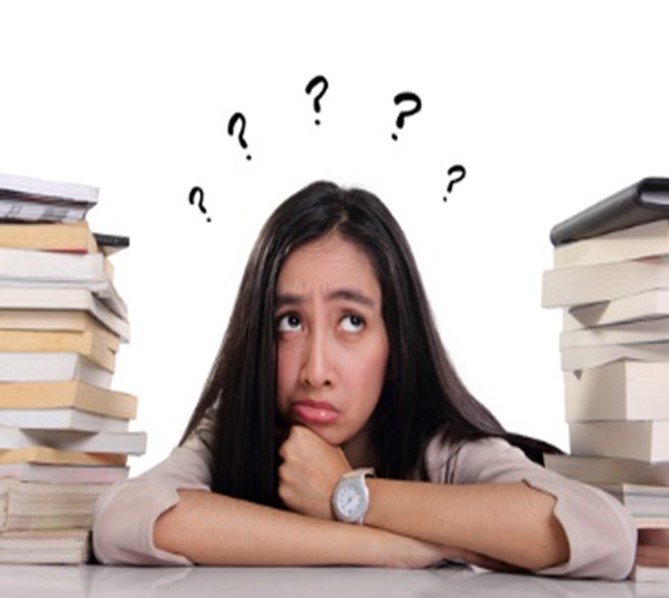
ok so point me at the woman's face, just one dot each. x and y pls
(332, 345)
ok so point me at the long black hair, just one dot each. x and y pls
(422, 394)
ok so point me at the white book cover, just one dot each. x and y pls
(61, 419)
(647, 305)
(623, 390)
(53, 266)
(51, 367)
(64, 474)
(103, 289)
(32, 186)
(126, 443)
(644, 331)
(48, 298)
(580, 358)
(643, 440)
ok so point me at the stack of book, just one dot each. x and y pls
(611, 278)
(64, 433)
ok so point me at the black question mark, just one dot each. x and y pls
(196, 193)
(238, 117)
(318, 80)
(403, 97)
(452, 170)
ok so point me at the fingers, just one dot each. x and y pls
(309, 472)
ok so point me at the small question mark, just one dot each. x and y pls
(318, 80)
(196, 193)
(239, 117)
(451, 171)
(403, 97)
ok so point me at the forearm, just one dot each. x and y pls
(213, 529)
(509, 522)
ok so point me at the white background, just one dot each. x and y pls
(550, 106)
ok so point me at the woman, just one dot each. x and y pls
(332, 365)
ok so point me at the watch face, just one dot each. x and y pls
(350, 502)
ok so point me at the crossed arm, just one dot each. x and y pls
(409, 524)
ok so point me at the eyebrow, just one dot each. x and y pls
(283, 299)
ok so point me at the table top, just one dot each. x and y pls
(26, 581)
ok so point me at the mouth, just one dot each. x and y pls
(314, 412)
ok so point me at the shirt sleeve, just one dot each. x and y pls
(600, 532)
(125, 513)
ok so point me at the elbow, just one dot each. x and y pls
(600, 538)
(123, 524)
(614, 559)
(551, 551)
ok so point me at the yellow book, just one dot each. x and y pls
(71, 393)
(27, 299)
(99, 345)
(45, 455)
(53, 319)
(64, 236)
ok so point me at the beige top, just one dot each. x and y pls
(600, 532)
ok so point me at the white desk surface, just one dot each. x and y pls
(18, 581)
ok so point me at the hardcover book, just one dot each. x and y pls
(644, 201)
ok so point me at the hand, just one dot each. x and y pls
(310, 470)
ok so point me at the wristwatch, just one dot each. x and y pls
(350, 499)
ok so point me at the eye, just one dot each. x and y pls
(352, 323)
(289, 323)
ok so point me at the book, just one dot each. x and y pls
(50, 319)
(39, 522)
(76, 394)
(608, 470)
(104, 290)
(46, 473)
(624, 390)
(48, 298)
(61, 547)
(49, 456)
(579, 358)
(61, 418)
(127, 443)
(645, 201)
(54, 267)
(74, 237)
(652, 556)
(644, 331)
(52, 367)
(646, 305)
(30, 199)
(646, 440)
(644, 240)
(111, 244)
(38, 189)
(98, 347)
(40, 269)
(579, 285)
(648, 504)
(32, 506)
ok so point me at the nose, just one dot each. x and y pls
(316, 363)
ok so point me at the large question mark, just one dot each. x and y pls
(403, 97)
(196, 193)
(318, 80)
(451, 171)
(239, 117)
